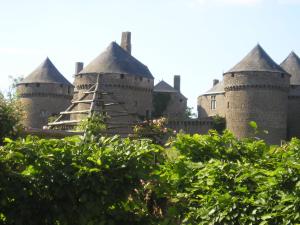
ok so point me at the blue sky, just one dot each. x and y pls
(198, 39)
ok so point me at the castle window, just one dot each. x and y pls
(180, 100)
(135, 103)
(282, 75)
(122, 76)
(37, 84)
(232, 74)
(61, 85)
(26, 85)
(141, 79)
(227, 105)
(68, 89)
(213, 102)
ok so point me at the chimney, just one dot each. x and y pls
(177, 82)
(78, 67)
(126, 41)
(215, 82)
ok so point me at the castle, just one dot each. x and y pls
(120, 87)
(257, 89)
(114, 83)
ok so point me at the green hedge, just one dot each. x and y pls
(199, 179)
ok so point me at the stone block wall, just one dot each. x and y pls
(42, 100)
(257, 96)
(204, 105)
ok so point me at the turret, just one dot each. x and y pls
(44, 93)
(256, 89)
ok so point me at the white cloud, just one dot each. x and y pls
(288, 2)
(229, 2)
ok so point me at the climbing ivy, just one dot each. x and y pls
(160, 103)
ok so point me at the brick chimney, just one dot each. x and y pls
(126, 41)
(177, 82)
(215, 82)
(78, 67)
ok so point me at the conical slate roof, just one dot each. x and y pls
(257, 60)
(116, 60)
(46, 73)
(163, 86)
(292, 65)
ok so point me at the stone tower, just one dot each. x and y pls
(256, 89)
(128, 79)
(124, 86)
(44, 93)
(292, 65)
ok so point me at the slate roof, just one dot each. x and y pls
(292, 65)
(216, 89)
(163, 86)
(116, 60)
(257, 60)
(45, 73)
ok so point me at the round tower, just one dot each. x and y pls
(292, 65)
(44, 93)
(256, 89)
(128, 79)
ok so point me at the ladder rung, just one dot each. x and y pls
(113, 103)
(102, 93)
(76, 112)
(64, 122)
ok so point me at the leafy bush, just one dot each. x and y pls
(71, 181)
(200, 179)
(216, 179)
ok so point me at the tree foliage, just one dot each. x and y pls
(11, 114)
(198, 179)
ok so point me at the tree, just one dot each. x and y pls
(11, 113)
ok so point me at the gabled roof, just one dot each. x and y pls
(257, 60)
(292, 65)
(216, 89)
(45, 73)
(116, 60)
(163, 86)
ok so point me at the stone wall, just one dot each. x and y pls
(204, 105)
(191, 126)
(176, 107)
(293, 124)
(257, 96)
(133, 91)
(42, 100)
